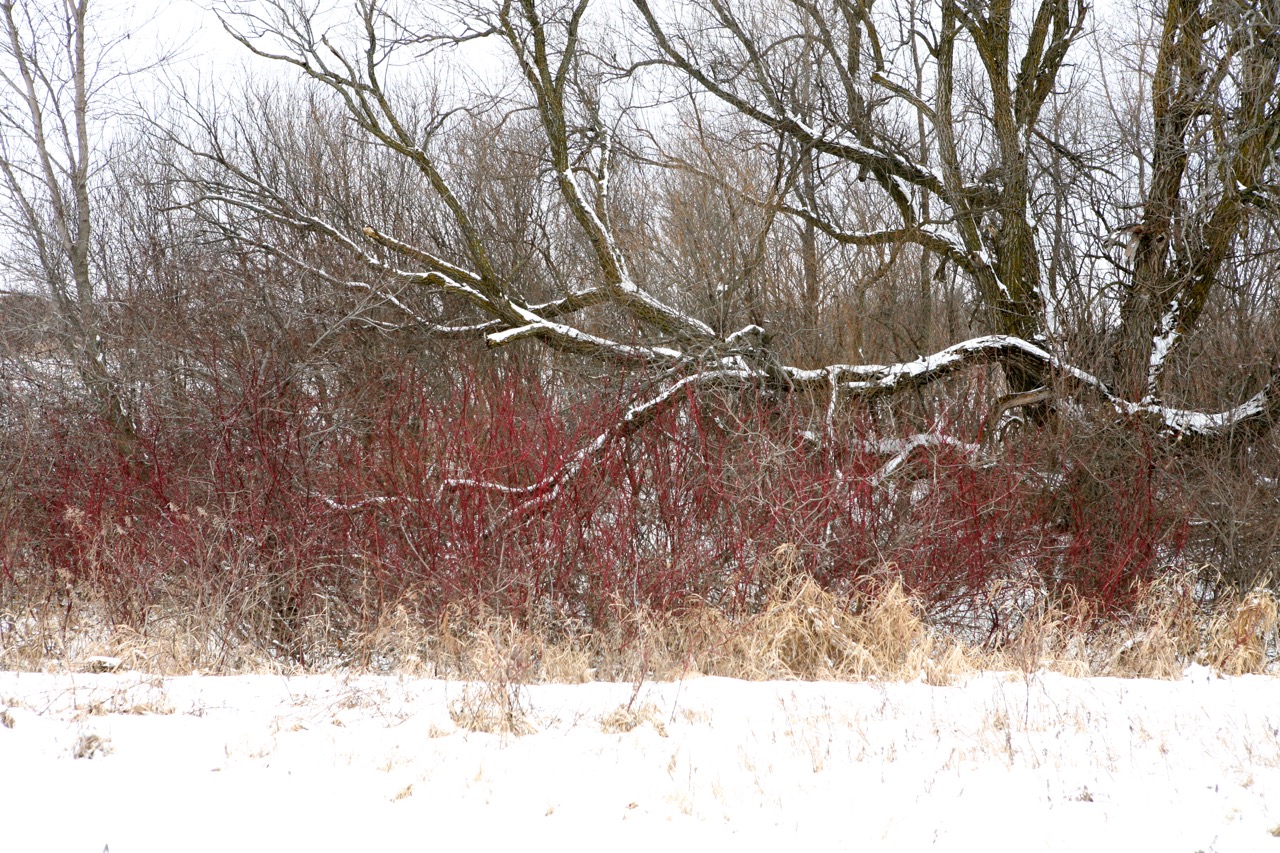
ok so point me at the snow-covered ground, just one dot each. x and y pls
(995, 762)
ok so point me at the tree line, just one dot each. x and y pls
(1003, 234)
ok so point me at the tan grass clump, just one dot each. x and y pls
(1239, 638)
(1170, 629)
(491, 708)
(472, 642)
(628, 718)
(498, 659)
(805, 632)
(1055, 639)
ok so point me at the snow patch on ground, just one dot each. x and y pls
(995, 762)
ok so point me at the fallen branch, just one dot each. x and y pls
(1246, 421)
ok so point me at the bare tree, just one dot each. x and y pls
(1215, 129)
(995, 69)
(48, 81)
(860, 105)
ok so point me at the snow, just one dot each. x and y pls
(998, 761)
(1177, 422)
(569, 333)
(1183, 422)
(948, 236)
(902, 451)
(1161, 345)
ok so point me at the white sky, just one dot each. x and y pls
(191, 30)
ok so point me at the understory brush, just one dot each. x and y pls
(513, 528)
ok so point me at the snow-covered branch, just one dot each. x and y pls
(873, 380)
(899, 451)
(636, 416)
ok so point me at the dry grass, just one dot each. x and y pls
(492, 708)
(794, 629)
(1240, 637)
(1173, 628)
(627, 718)
(138, 699)
(91, 746)
(176, 640)
(805, 632)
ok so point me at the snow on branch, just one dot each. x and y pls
(546, 490)
(575, 340)
(873, 380)
(1236, 425)
(626, 293)
(869, 381)
(902, 450)
(1161, 345)
(438, 264)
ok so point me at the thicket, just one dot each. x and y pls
(300, 383)
(265, 526)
